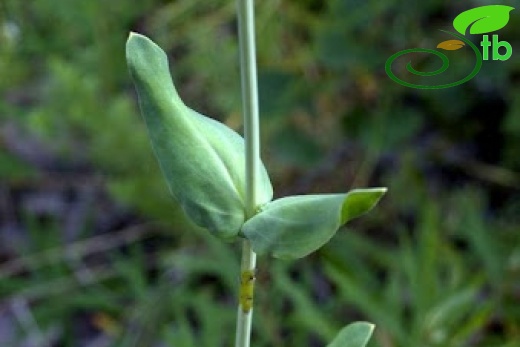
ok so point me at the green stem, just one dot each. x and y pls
(246, 30)
(245, 318)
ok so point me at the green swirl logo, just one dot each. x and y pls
(480, 20)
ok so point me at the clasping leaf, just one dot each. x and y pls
(203, 160)
(295, 226)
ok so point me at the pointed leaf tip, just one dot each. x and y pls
(132, 36)
(359, 201)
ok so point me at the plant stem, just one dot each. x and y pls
(246, 30)
(244, 319)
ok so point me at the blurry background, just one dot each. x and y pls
(94, 252)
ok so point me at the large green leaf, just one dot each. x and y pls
(483, 19)
(353, 335)
(295, 226)
(203, 160)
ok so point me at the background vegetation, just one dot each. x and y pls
(94, 252)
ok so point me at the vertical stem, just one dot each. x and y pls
(246, 31)
(245, 315)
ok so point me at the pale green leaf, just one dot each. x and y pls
(353, 335)
(483, 19)
(295, 226)
(203, 160)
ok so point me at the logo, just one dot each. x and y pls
(479, 20)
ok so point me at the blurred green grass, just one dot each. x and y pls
(94, 252)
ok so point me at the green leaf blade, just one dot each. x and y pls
(202, 160)
(353, 335)
(483, 19)
(296, 226)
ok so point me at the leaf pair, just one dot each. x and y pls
(204, 164)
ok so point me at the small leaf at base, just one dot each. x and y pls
(295, 226)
